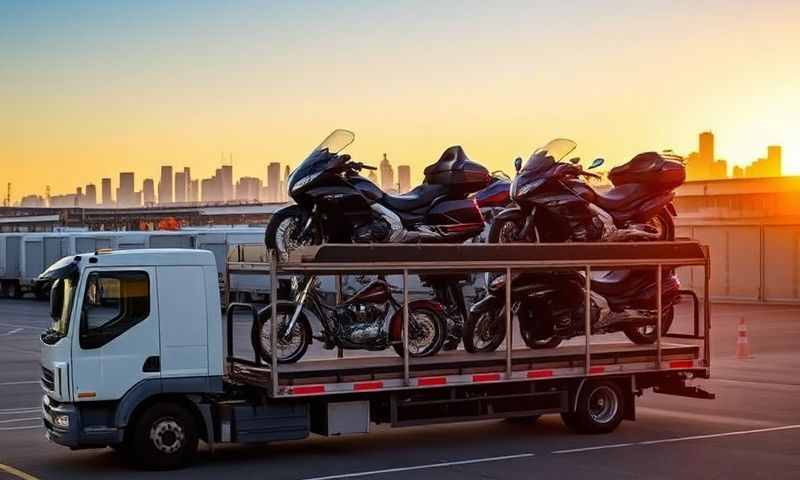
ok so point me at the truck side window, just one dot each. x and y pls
(113, 303)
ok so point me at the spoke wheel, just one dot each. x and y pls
(485, 331)
(291, 346)
(427, 332)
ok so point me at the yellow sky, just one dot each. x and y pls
(112, 90)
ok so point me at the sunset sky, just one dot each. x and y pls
(93, 88)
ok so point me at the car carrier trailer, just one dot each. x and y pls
(154, 388)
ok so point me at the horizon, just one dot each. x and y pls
(95, 89)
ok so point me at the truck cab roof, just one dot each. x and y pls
(150, 257)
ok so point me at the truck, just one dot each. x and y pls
(142, 358)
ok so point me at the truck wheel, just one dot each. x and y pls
(164, 437)
(599, 409)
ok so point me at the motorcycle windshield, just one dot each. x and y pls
(544, 157)
(318, 160)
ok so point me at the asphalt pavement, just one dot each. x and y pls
(751, 430)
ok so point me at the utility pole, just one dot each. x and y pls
(7, 200)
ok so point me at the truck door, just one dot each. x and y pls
(117, 341)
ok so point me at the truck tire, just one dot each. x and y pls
(599, 408)
(164, 437)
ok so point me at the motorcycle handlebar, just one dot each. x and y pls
(360, 166)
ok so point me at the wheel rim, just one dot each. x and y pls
(658, 225)
(486, 330)
(286, 236)
(508, 233)
(167, 435)
(288, 346)
(423, 334)
(603, 404)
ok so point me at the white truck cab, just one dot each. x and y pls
(130, 327)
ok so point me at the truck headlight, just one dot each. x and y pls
(61, 421)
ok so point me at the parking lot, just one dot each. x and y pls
(751, 430)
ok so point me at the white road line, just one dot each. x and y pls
(12, 332)
(15, 411)
(3, 429)
(598, 447)
(20, 419)
(25, 382)
(421, 467)
(717, 435)
(24, 327)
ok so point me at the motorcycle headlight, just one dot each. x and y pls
(530, 187)
(305, 181)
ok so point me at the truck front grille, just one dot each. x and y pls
(48, 379)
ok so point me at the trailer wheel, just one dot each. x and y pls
(164, 437)
(599, 408)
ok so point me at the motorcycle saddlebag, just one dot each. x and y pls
(650, 168)
(455, 170)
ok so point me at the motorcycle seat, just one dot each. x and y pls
(416, 198)
(618, 198)
(620, 282)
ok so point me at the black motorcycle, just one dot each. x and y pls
(371, 319)
(553, 203)
(551, 307)
(335, 204)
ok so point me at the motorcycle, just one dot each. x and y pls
(371, 319)
(554, 204)
(551, 307)
(335, 204)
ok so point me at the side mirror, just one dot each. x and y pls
(518, 164)
(575, 160)
(56, 298)
(596, 163)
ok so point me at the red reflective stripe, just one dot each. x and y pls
(367, 386)
(681, 364)
(597, 369)
(306, 390)
(540, 373)
(430, 381)
(486, 377)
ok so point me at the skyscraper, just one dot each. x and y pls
(194, 191)
(248, 189)
(105, 185)
(180, 187)
(706, 147)
(387, 175)
(90, 197)
(148, 191)
(226, 177)
(125, 193)
(274, 182)
(774, 160)
(403, 178)
(165, 185)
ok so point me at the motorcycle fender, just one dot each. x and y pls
(510, 213)
(487, 303)
(396, 324)
(671, 208)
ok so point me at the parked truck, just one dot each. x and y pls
(139, 357)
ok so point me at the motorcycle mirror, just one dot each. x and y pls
(596, 163)
(518, 164)
(575, 160)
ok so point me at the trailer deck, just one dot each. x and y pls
(364, 372)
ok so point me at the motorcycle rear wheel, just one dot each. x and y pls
(663, 223)
(647, 335)
(430, 324)
(484, 331)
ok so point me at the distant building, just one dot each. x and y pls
(373, 177)
(125, 195)
(165, 185)
(766, 167)
(387, 175)
(68, 200)
(226, 179)
(105, 187)
(194, 191)
(90, 197)
(702, 165)
(180, 187)
(738, 172)
(248, 189)
(148, 192)
(404, 178)
(32, 201)
(274, 182)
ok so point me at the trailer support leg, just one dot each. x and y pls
(406, 369)
(509, 331)
(658, 316)
(273, 277)
(588, 317)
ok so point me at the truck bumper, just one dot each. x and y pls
(64, 425)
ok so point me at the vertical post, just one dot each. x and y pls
(406, 369)
(658, 316)
(509, 330)
(273, 297)
(227, 289)
(340, 350)
(588, 317)
(707, 307)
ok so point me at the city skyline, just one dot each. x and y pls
(130, 87)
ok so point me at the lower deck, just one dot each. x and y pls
(367, 373)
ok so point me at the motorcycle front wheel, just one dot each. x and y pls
(485, 331)
(427, 332)
(292, 347)
(283, 234)
(505, 231)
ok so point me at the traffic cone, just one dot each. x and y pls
(742, 341)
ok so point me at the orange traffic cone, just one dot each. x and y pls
(742, 341)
